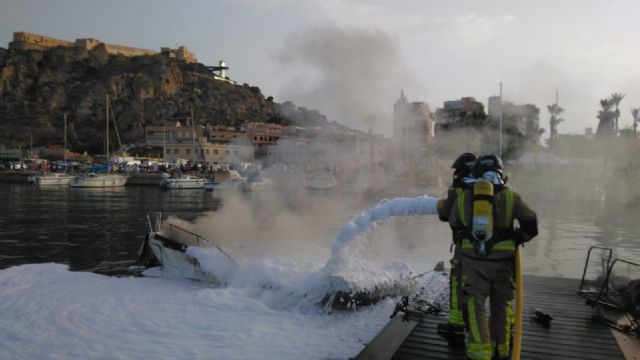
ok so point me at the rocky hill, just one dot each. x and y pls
(38, 87)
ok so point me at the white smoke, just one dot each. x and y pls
(350, 74)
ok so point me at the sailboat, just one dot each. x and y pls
(48, 179)
(51, 179)
(94, 180)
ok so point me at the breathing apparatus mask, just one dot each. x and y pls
(493, 177)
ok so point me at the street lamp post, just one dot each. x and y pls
(500, 150)
(164, 141)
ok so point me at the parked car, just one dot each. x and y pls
(17, 166)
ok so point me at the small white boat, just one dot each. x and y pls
(321, 181)
(183, 182)
(226, 185)
(257, 182)
(184, 254)
(51, 179)
(98, 181)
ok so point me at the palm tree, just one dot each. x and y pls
(606, 117)
(616, 98)
(555, 110)
(635, 112)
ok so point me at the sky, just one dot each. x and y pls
(348, 58)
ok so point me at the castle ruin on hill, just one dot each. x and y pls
(29, 41)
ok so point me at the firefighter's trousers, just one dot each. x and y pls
(492, 279)
(455, 287)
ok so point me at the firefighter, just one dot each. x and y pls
(453, 330)
(485, 213)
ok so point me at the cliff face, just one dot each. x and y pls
(37, 87)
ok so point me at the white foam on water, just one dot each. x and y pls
(346, 269)
(268, 309)
(48, 312)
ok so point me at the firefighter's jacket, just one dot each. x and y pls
(445, 205)
(507, 207)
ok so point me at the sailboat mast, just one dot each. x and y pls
(115, 124)
(501, 119)
(106, 139)
(65, 138)
(193, 130)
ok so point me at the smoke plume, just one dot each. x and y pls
(350, 74)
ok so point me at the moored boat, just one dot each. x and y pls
(51, 179)
(321, 181)
(183, 182)
(92, 180)
(257, 181)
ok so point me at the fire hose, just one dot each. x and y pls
(517, 337)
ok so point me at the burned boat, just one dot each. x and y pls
(181, 253)
(341, 296)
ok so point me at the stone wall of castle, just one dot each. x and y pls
(181, 53)
(30, 41)
(128, 51)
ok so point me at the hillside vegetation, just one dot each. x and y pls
(37, 87)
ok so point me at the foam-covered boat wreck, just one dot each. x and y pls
(181, 253)
(176, 252)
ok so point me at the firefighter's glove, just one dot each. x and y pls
(520, 237)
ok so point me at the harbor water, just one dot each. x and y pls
(100, 230)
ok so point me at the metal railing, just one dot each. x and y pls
(587, 294)
(602, 296)
(200, 238)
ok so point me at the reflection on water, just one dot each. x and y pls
(89, 229)
(101, 229)
(572, 217)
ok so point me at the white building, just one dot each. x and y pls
(290, 151)
(204, 152)
(412, 124)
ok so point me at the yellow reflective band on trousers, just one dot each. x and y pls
(479, 351)
(455, 317)
(473, 321)
(476, 348)
(455, 314)
(504, 349)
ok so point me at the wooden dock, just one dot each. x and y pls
(571, 335)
